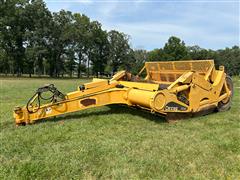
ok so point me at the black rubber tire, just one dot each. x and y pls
(226, 106)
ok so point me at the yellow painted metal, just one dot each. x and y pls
(159, 101)
(184, 79)
(140, 85)
(141, 97)
(170, 87)
(118, 75)
(95, 83)
(169, 71)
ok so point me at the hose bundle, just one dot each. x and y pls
(56, 95)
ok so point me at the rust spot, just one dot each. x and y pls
(88, 102)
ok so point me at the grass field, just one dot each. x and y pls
(115, 141)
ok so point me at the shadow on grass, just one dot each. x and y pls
(114, 109)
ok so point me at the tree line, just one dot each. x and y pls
(175, 49)
(34, 40)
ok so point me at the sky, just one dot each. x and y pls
(211, 24)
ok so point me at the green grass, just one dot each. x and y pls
(115, 141)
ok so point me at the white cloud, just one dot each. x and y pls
(106, 10)
(210, 25)
(154, 35)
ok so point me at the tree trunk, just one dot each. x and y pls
(19, 55)
(88, 68)
(18, 72)
(79, 73)
(79, 65)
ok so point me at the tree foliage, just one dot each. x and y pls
(175, 49)
(121, 54)
(35, 41)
